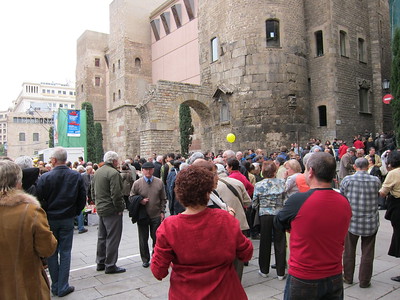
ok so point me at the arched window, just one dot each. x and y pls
(323, 121)
(119, 94)
(138, 62)
(272, 31)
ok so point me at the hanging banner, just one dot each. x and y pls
(55, 129)
(74, 123)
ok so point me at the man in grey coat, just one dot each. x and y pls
(107, 192)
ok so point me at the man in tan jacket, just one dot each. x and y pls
(154, 198)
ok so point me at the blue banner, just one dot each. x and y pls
(74, 123)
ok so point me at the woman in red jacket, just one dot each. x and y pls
(200, 244)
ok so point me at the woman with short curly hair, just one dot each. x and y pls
(200, 244)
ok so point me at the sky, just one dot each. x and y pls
(38, 40)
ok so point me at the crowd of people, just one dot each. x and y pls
(311, 203)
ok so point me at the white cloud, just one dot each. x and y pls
(38, 40)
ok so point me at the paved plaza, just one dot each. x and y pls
(139, 283)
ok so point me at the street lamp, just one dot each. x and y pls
(386, 84)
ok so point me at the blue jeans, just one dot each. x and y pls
(60, 262)
(330, 288)
(81, 221)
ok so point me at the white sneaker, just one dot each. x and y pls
(262, 274)
(280, 278)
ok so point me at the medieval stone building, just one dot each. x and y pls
(272, 72)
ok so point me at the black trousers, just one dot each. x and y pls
(269, 232)
(143, 230)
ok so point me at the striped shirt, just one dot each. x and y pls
(362, 191)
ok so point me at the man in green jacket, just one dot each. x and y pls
(107, 192)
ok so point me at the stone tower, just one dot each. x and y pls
(259, 74)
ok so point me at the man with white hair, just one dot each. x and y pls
(157, 166)
(62, 195)
(30, 174)
(107, 193)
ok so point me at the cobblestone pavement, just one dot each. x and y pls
(138, 283)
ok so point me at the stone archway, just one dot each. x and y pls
(159, 115)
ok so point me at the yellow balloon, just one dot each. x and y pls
(230, 137)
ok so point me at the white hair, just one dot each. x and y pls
(60, 154)
(110, 156)
(24, 162)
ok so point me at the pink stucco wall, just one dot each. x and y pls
(175, 56)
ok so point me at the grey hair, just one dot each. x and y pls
(10, 176)
(361, 163)
(81, 168)
(24, 162)
(60, 154)
(183, 166)
(229, 154)
(195, 156)
(110, 156)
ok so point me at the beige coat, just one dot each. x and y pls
(229, 197)
(25, 236)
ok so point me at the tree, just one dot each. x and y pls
(99, 142)
(185, 128)
(51, 137)
(3, 151)
(395, 84)
(90, 132)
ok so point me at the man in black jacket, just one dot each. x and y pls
(62, 195)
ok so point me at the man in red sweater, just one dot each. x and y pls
(232, 166)
(318, 221)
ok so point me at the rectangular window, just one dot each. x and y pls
(189, 4)
(363, 97)
(97, 81)
(322, 115)
(165, 18)
(97, 62)
(272, 30)
(177, 12)
(35, 137)
(319, 42)
(22, 136)
(155, 26)
(361, 50)
(342, 41)
(214, 49)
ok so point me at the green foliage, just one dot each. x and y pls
(99, 143)
(90, 135)
(51, 137)
(185, 128)
(395, 83)
(3, 151)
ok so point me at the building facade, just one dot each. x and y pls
(272, 72)
(31, 117)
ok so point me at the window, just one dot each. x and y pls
(82, 88)
(165, 19)
(177, 12)
(97, 62)
(225, 115)
(97, 81)
(343, 42)
(363, 97)
(113, 96)
(35, 137)
(272, 30)
(138, 63)
(119, 94)
(189, 4)
(322, 115)
(64, 92)
(61, 106)
(214, 49)
(113, 68)
(22, 136)
(319, 43)
(361, 50)
(155, 26)
(119, 64)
